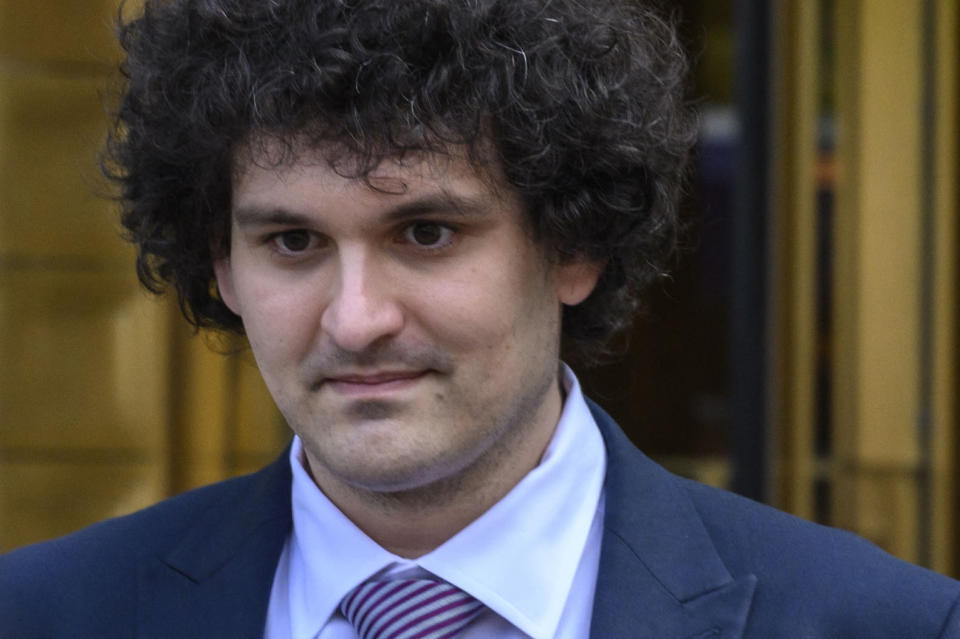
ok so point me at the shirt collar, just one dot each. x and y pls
(519, 558)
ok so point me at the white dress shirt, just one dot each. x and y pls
(532, 558)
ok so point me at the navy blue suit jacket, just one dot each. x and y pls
(678, 560)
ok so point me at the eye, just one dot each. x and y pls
(295, 241)
(428, 234)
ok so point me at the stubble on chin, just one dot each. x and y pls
(371, 410)
(455, 482)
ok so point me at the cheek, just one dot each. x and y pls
(279, 321)
(485, 309)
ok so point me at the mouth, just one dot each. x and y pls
(374, 383)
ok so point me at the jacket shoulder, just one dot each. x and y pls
(842, 583)
(88, 578)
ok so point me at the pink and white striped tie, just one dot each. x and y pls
(409, 609)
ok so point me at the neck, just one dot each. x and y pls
(412, 522)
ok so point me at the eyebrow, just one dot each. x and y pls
(443, 202)
(254, 216)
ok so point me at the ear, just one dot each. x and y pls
(576, 279)
(224, 272)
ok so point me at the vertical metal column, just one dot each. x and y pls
(749, 278)
(928, 128)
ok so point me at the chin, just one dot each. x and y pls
(388, 477)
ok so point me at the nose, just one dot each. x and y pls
(363, 309)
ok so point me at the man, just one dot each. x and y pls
(406, 207)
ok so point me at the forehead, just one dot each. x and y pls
(394, 172)
(331, 182)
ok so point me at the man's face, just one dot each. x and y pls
(406, 331)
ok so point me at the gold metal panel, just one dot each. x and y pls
(888, 251)
(201, 393)
(260, 431)
(946, 318)
(199, 434)
(202, 474)
(58, 30)
(52, 198)
(225, 421)
(249, 465)
(879, 318)
(794, 253)
(83, 362)
(878, 261)
(44, 499)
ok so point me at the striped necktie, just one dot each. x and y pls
(409, 609)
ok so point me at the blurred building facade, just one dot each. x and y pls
(804, 353)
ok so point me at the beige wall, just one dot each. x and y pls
(100, 386)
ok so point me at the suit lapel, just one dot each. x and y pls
(216, 581)
(660, 576)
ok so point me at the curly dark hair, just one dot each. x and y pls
(581, 102)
